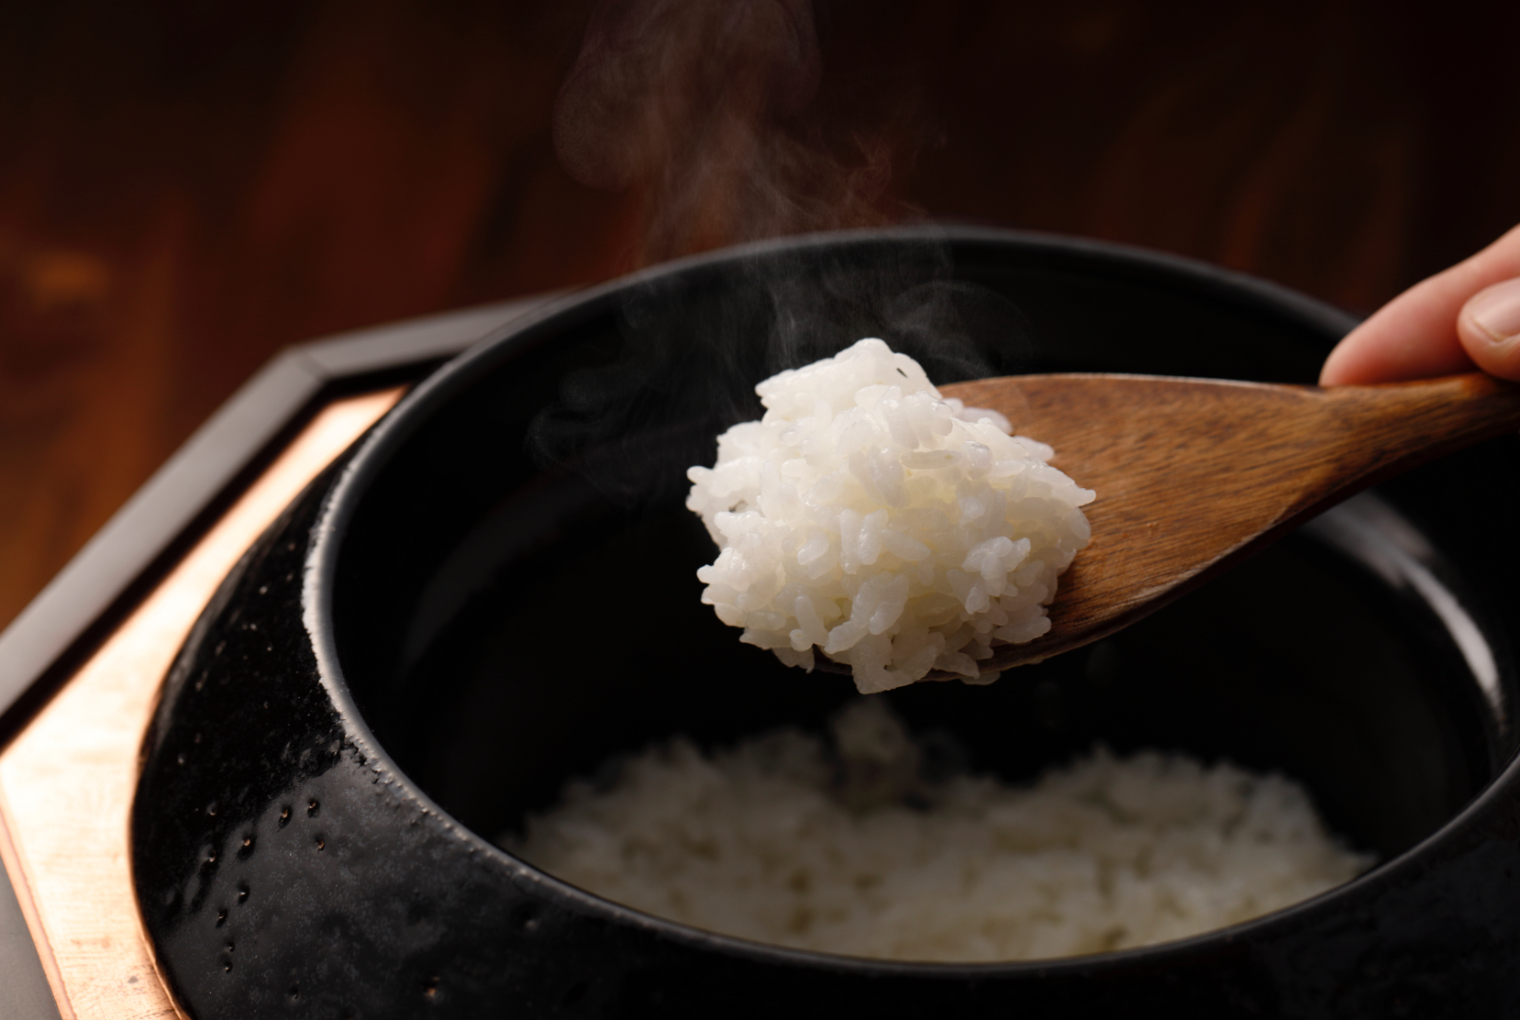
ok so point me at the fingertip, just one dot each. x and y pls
(1340, 368)
(1362, 355)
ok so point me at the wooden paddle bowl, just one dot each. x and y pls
(1193, 475)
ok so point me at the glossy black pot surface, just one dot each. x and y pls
(496, 592)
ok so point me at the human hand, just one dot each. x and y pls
(1464, 317)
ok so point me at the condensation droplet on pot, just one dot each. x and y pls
(526, 917)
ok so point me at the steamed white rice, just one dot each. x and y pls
(868, 518)
(786, 841)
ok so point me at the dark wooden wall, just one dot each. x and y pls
(188, 185)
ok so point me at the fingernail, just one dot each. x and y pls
(1496, 311)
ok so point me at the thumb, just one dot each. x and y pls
(1489, 328)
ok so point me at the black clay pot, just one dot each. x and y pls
(399, 670)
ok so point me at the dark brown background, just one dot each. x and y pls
(188, 185)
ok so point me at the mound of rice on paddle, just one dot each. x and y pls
(868, 518)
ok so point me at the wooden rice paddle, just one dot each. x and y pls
(1193, 475)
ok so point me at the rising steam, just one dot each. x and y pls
(720, 118)
(700, 108)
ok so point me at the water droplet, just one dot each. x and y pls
(179, 759)
(321, 843)
(242, 892)
(221, 918)
(284, 815)
(211, 809)
(312, 808)
(430, 987)
(227, 967)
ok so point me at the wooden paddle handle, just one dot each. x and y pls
(1395, 426)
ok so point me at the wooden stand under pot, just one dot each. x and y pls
(80, 669)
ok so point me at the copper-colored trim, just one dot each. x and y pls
(10, 862)
(66, 780)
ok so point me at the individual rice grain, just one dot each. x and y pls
(785, 840)
(866, 518)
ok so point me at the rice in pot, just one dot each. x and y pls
(849, 849)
